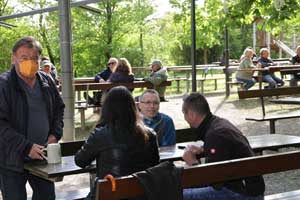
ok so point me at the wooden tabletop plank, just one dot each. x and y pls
(290, 100)
(171, 153)
(106, 85)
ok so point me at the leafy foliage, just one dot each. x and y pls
(127, 28)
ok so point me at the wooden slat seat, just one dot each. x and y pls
(203, 79)
(81, 109)
(244, 94)
(238, 83)
(291, 195)
(106, 85)
(178, 79)
(272, 119)
(207, 174)
(79, 194)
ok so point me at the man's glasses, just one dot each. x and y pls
(35, 58)
(148, 103)
(111, 63)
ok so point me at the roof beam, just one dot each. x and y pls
(91, 9)
(7, 25)
(49, 9)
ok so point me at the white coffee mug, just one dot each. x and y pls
(53, 153)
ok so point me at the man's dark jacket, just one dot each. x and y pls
(265, 62)
(223, 141)
(14, 145)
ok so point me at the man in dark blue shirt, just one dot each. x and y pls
(102, 76)
(105, 74)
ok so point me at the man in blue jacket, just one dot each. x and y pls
(102, 76)
(162, 124)
(31, 116)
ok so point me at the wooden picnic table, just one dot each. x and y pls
(271, 69)
(84, 80)
(107, 85)
(55, 172)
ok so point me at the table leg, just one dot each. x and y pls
(92, 180)
(260, 79)
(272, 126)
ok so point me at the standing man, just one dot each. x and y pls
(31, 116)
(156, 77)
(222, 141)
(161, 123)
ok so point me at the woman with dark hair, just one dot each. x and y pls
(121, 144)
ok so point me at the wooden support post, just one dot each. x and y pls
(82, 118)
(272, 126)
(178, 85)
(216, 85)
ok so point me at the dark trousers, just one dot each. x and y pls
(13, 186)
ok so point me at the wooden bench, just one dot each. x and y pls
(236, 83)
(81, 109)
(201, 82)
(292, 195)
(79, 194)
(272, 119)
(244, 94)
(207, 174)
(178, 79)
(106, 85)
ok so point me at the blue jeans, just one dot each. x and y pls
(272, 80)
(13, 187)
(248, 83)
(209, 193)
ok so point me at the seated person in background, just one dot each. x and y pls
(121, 144)
(268, 77)
(246, 76)
(222, 141)
(53, 71)
(253, 58)
(102, 77)
(123, 72)
(46, 67)
(105, 74)
(295, 60)
(161, 123)
(156, 77)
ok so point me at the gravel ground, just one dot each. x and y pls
(232, 109)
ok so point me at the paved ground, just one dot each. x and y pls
(234, 110)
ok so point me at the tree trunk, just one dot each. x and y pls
(43, 33)
(142, 48)
(205, 51)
